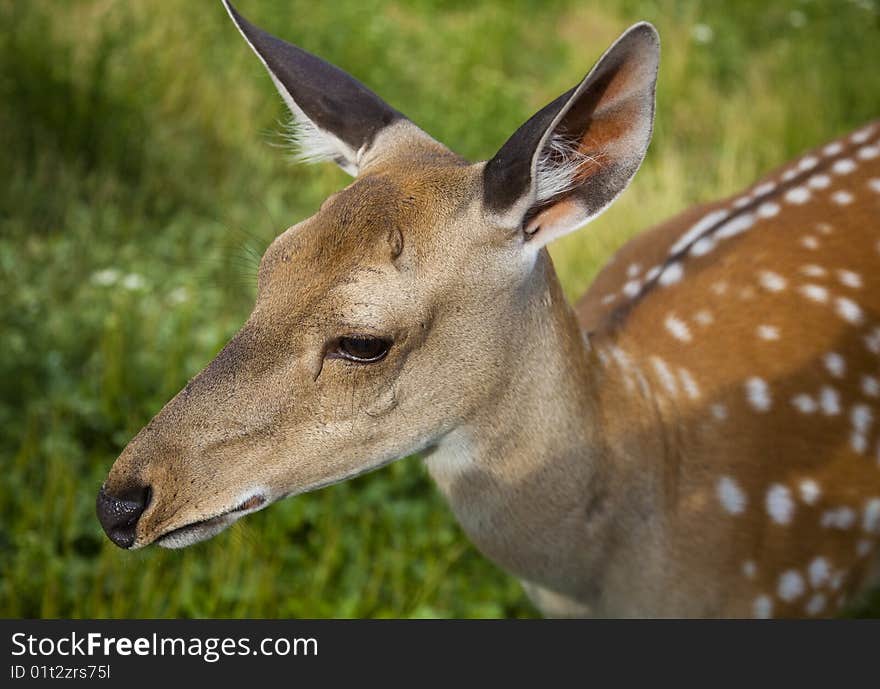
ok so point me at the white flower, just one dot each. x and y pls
(106, 277)
(178, 295)
(702, 33)
(133, 281)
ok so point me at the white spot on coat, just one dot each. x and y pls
(815, 292)
(819, 572)
(849, 278)
(804, 404)
(819, 181)
(779, 503)
(690, 386)
(816, 604)
(870, 386)
(861, 417)
(731, 496)
(848, 310)
(702, 225)
(807, 163)
(703, 245)
(768, 209)
(672, 274)
(665, 375)
(719, 411)
(835, 364)
(842, 197)
(868, 152)
(862, 135)
(874, 184)
(791, 585)
(810, 491)
(704, 317)
(631, 288)
(677, 328)
(771, 281)
(749, 569)
(763, 607)
(768, 332)
(797, 195)
(841, 518)
(832, 149)
(858, 442)
(871, 518)
(813, 271)
(621, 357)
(843, 166)
(810, 242)
(829, 401)
(763, 189)
(758, 393)
(872, 341)
(735, 226)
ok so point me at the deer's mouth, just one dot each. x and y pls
(203, 529)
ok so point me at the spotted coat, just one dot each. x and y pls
(751, 328)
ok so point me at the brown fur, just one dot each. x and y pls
(560, 450)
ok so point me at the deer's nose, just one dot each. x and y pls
(119, 514)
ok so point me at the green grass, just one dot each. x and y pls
(138, 187)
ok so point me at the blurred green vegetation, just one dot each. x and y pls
(139, 191)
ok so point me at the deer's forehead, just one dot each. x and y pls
(409, 198)
(352, 243)
(361, 224)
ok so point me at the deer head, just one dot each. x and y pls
(386, 319)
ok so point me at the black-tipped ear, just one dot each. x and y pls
(568, 162)
(337, 117)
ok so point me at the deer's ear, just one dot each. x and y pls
(566, 164)
(335, 116)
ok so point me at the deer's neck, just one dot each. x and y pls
(532, 477)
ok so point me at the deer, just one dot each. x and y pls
(699, 436)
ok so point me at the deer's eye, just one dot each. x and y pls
(362, 349)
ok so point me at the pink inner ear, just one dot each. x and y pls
(554, 221)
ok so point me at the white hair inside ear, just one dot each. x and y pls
(308, 142)
(556, 170)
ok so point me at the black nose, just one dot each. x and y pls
(119, 514)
